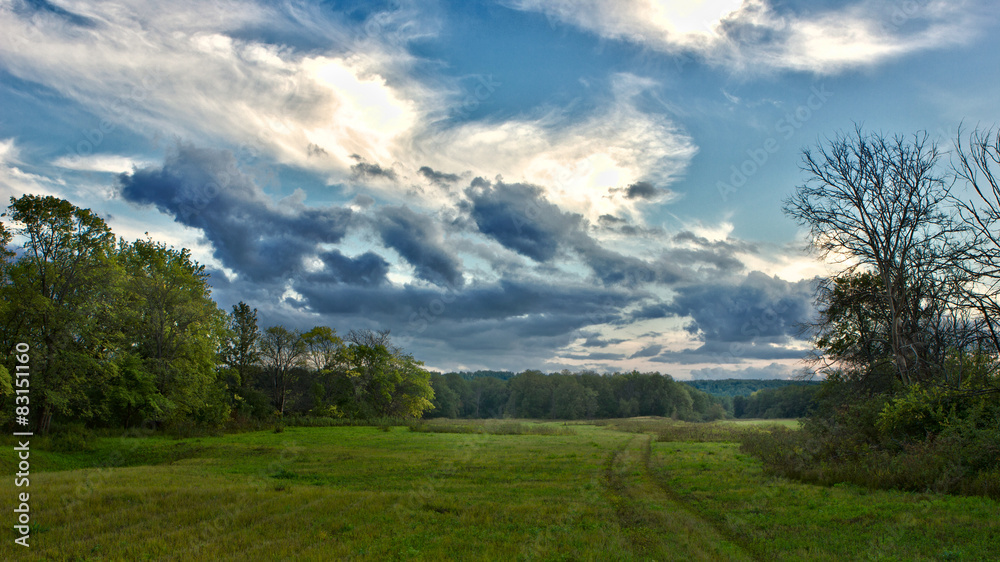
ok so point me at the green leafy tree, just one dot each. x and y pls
(446, 401)
(281, 351)
(241, 348)
(175, 327)
(386, 381)
(52, 289)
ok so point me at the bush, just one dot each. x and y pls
(920, 441)
(71, 438)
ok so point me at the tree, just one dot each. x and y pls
(386, 381)
(53, 285)
(281, 350)
(853, 331)
(322, 347)
(174, 326)
(241, 349)
(877, 204)
(446, 400)
(977, 164)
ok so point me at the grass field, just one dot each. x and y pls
(635, 490)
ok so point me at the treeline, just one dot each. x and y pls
(532, 394)
(789, 401)
(742, 387)
(762, 398)
(116, 333)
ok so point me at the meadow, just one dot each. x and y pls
(639, 489)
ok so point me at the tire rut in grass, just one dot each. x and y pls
(655, 523)
(678, 500)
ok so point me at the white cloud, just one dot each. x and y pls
(14, 181)
(177, 70)
(108, 163)
(575, 161)
(750, 35)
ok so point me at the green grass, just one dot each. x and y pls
(789, 423)
(645, 489)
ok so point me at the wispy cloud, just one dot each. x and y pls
(761, 35)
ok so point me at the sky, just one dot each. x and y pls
(508, 184)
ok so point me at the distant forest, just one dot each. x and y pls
(496, 394)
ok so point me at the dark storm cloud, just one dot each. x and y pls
(368, 170)
(418, 239)
(252, 235)
(729, 245)
(594, 340)
(439, 178)
(724, 261)
(500, 301)
(595, 356)
(613, 268)
(519, 217)
(648, 351)
(728, 353)
(368, 269)
(759, 308)
(639, 190)
(506, 324)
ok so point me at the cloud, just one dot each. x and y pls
(759, 308)
(15, 181)
(419, 240)
(368, 269)
(638, 190)
(573, 157)
(109, 163)
(370, 171)
(595, 340)
(720, 352)
(31, 7)
(767, 35)
(202, 70)
(772, 371)
(439, 178)
(519, 217)
(648, 351)
(203, 188)
(304, 86)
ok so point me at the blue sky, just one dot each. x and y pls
(515, 184)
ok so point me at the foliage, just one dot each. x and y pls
(741, 387)
(240, 352)
(791, 401)
(55, 292)
(570, 396)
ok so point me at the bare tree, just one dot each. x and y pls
(977, 163)
(876, 204)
